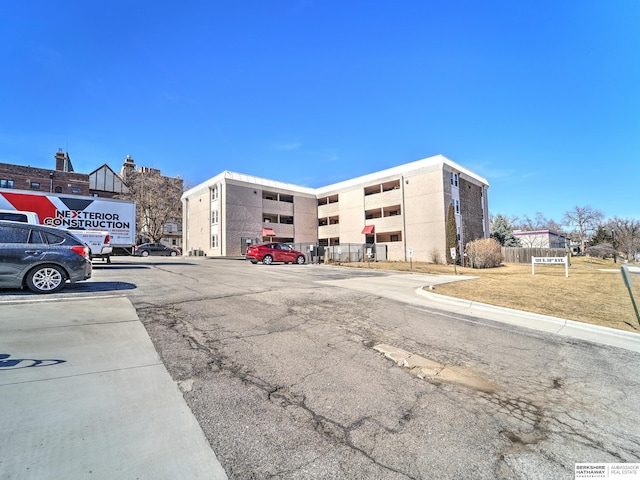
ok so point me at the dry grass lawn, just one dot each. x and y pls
(590, 294)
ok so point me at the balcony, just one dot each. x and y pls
(328, 210)
(328, 231)
(382, 199)
(277, 207)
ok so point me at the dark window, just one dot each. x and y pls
(52, 238)
(14, 235)
(36, 237)
(14, 217)
(59, 189)
(35, 186)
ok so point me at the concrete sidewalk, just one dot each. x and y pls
(409, 288)
(535, 321)
(85, 395)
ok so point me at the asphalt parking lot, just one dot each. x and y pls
(283, 369)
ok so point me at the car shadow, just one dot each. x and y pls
(92, 287)
(113, 266)
(72, 288)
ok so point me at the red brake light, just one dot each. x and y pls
(80, 250)
(107, 240)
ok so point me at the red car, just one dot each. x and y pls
(267, 253)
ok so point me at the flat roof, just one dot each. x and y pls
(429, 163)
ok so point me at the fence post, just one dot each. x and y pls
(627, 281)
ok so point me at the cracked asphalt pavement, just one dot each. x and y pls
(279, 367)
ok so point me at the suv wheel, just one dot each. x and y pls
(46, 279)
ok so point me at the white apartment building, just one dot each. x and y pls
(404, 208)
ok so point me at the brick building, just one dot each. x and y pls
(61, 180)
(102, 182)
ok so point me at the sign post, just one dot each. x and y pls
(550, 261)
(411, 258)
(626, 276)
(453, 257)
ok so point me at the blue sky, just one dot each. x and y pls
(542, 98)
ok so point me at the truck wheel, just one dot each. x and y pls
(46, 279)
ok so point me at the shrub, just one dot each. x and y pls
(602, 250)
(435, 256)
(484, 253)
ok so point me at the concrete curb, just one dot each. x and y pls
(536, 321)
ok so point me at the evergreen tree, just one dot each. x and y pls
(502, 230)
(601, 235)
(452, 235)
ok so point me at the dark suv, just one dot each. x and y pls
(40, 258)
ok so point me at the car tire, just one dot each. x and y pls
(173, 253)
(267, 260)
(46, 278)
(300, 260)
(254, 262)
(144, 253)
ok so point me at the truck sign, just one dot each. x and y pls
(74, 212)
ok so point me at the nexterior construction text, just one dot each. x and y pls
(86, 220)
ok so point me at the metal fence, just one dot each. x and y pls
(523, 255)
(343, 253)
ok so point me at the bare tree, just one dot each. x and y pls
(582, 220)
(540, 222)
(627, 236)
(157, 200)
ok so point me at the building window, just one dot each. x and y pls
(35, 186)
(4, 183)
(214, 241)
(456, 206)
(58, 189)
(454, 179)
(214, 193)
(214, 217)
(395, 238)
(75, 190)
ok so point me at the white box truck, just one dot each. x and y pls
(76, 212)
